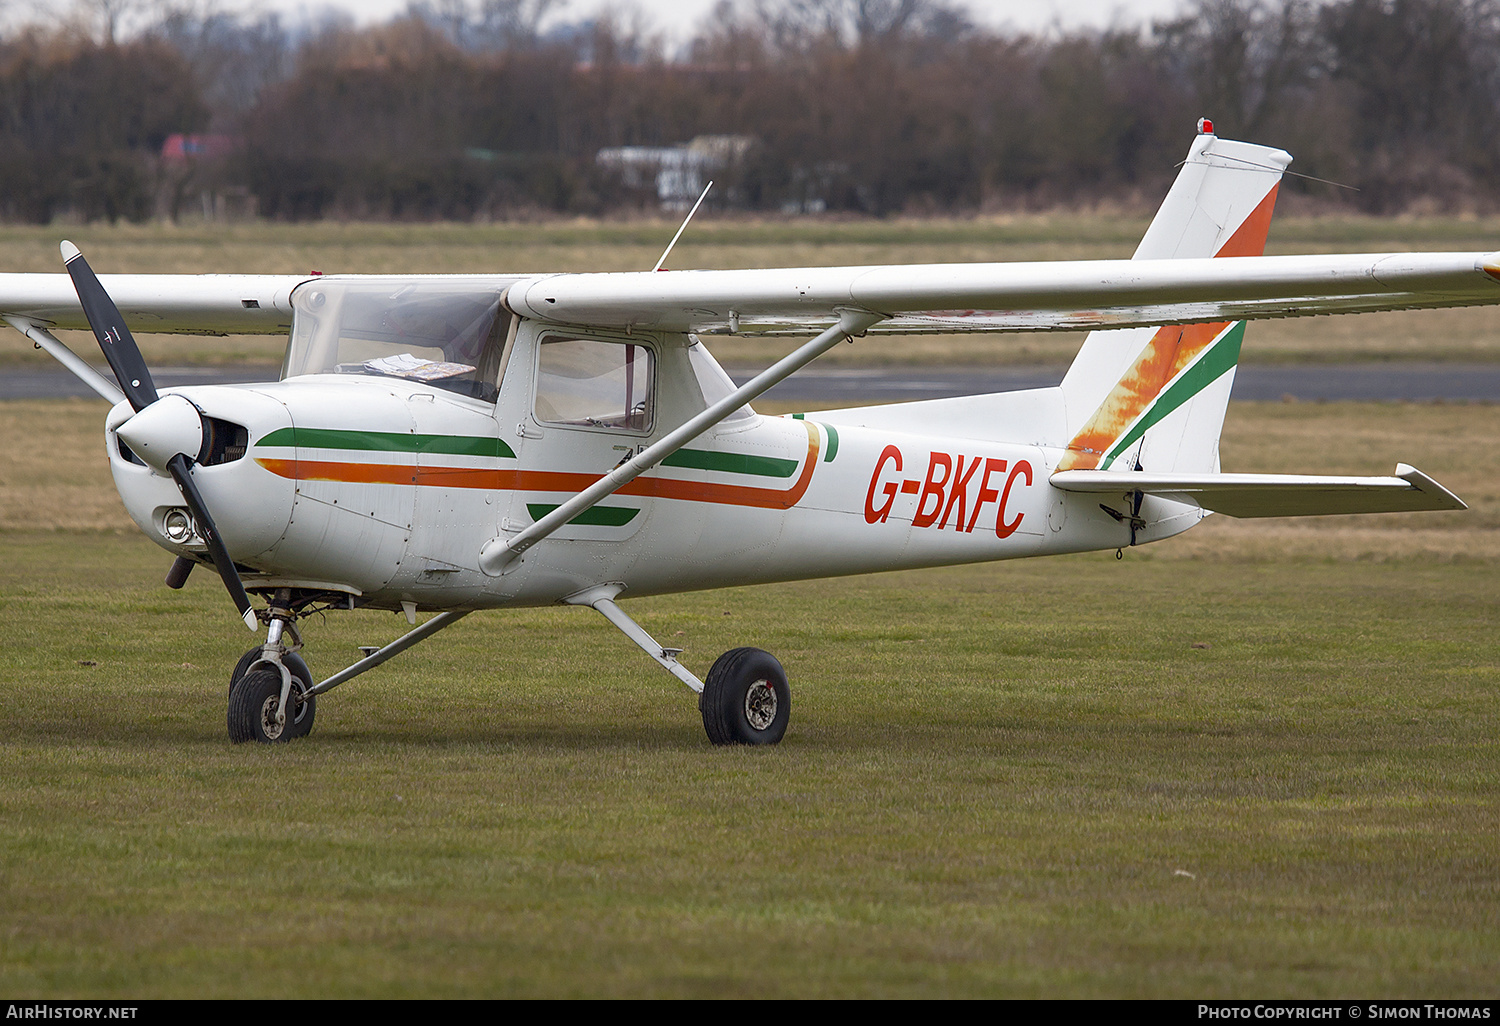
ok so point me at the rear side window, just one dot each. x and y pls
(594, 383)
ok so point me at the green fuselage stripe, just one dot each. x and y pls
(1220, 358)
(594, 516)
(731, 463)
(473, 445)
(388, 441)
(833, 443)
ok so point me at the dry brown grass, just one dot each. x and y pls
(53, 468)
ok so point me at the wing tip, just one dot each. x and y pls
(1427, 486)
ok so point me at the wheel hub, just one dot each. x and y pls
(268, 722)
(760, 705)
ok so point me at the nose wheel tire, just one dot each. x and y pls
(745, 699)
(293, 661)
(255, 699)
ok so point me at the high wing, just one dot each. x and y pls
(1040, 296)
(193, 304)
(1045, 296)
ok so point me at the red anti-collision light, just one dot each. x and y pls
(1205, 126)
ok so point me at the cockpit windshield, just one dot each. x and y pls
(449, 335)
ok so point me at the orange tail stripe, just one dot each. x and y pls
(1249, 239)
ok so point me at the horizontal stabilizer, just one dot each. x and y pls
(1274, 495)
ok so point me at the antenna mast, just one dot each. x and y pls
(685, 221)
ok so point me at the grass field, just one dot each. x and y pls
(1467, 335)
(1259, 760)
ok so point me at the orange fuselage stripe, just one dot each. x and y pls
(513, 479)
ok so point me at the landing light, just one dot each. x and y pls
(177, 525)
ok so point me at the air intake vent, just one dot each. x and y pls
(223, 442)
(126, 454)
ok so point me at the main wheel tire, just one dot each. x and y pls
(746, 699)
(253, 704)
(293, 661)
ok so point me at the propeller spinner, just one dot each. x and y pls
(166, 432)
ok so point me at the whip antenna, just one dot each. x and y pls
(685, 221)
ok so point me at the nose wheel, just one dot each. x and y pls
(269, 699)
(255, 706)
(293, 661)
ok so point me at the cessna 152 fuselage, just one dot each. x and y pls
(457, 443)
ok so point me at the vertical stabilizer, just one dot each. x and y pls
(1155, 397)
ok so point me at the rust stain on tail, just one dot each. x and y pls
(1170, 350)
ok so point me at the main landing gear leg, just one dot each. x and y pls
(746, 699)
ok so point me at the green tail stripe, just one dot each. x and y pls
(731, 463)
(1212, 365)
(594, 516)
(389, 441)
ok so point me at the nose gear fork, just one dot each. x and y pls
(281, 622)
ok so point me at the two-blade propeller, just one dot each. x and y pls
(162, 434)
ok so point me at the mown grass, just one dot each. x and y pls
(1272, 772)
(732, 243)
(1008, 781)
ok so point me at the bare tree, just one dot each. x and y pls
(106, 21)
(796, 24)
(486, 24)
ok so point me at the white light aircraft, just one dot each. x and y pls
(452, 443)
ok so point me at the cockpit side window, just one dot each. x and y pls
(595, 383)
(449, 336)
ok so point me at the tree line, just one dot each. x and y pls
(462, 109)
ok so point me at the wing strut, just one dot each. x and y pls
(44, 339)
(499, 553)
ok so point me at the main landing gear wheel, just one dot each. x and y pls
(745, 700)
(255, 698)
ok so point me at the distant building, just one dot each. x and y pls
(197, 164)
(180, 148)
(678, 172)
